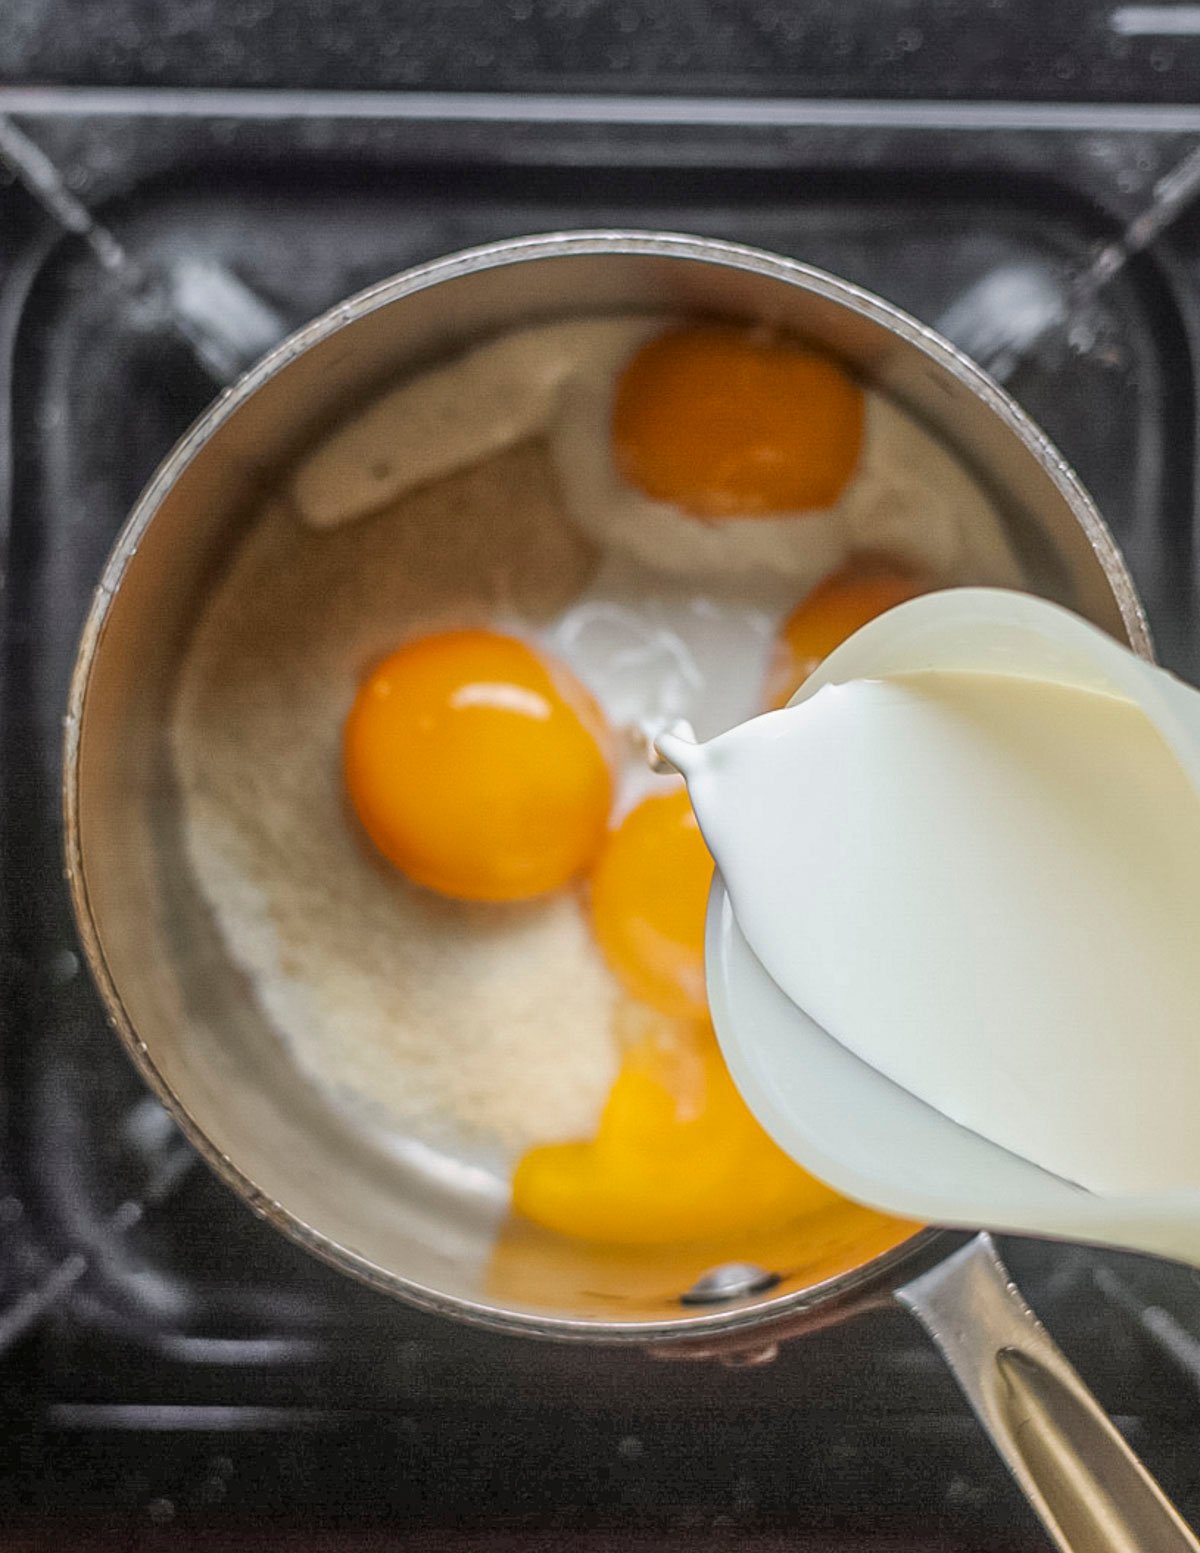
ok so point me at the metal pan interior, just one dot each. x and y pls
(373, 1207)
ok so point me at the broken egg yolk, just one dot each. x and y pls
(478, 767)
(677, 1157)
(832, 612)
(649, 897)
(727, 422)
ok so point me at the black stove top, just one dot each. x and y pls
(169, 1360)
(1023, 50)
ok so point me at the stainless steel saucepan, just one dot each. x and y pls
(388, 1211)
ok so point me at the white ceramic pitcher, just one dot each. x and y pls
(834, 1113)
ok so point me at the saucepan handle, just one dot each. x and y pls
(1092, 1493)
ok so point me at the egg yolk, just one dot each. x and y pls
(729, 423)
(677, 1156)
(649, 897)
(478, 767)
(833, 611)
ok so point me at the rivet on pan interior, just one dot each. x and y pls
(729, 1281)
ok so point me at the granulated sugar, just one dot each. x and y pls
(908, 497)
(453, 1021)
(489, 1021)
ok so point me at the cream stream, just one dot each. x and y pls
(988, 887)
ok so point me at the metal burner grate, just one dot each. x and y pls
(152, 243)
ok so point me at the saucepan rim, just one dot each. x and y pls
(857, 1283)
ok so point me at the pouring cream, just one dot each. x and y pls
(987, 886)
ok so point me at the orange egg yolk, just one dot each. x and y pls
(649, 896)
(677, 1156)
(478, 767)
(729, 423)
(833, 611)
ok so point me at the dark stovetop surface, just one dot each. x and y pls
(1072, 51)
(190, 1367)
